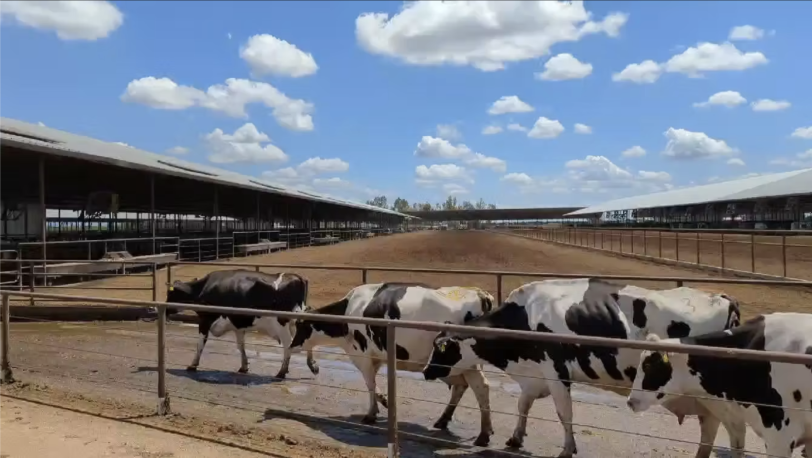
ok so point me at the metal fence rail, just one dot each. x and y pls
(163, 395)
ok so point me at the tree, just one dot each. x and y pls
(426, 207)
(467, 205)
(481, 205)
(379, 201)
(450, 203)
(401, 205)
(491, 207)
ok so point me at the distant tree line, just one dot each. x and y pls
(402, 205)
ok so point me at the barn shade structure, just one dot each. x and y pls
(44, 168)
(501, 214)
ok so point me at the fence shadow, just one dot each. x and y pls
(350, 431)
(218, 377)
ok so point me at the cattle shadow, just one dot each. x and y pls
(726, 453)
(218, 377)
(413, 438)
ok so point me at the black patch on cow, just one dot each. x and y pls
(797, 395)
(305, 328)
(656, 372)
(639, 317)
(630, 373)
(678, 330)
(734, 315)
(500, 351)
(468, 317)
(615, 296)
(747, 382)
(384, 304)
(446, 354)
(362, 341)
(786, 421)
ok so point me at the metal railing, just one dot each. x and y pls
(392, 327)
(768, 254)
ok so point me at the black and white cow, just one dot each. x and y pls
(774, 399)
(240, 288)
(366, 345)
(587, 307)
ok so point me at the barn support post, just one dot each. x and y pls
(216, 215)
(163, 397)
(391, 391)
(44, 223)
(152, 208)
(5, 364)
(257, 220)
(154, 282)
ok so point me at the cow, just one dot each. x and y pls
(366, 345)
(588, 307)
(284, 292)
(774, 399)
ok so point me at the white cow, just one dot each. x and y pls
(586, 307)
(366, 345)
(752, 386)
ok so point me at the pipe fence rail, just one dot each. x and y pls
(773, 254)
(392, 327)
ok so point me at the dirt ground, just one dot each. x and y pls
(469, 250)
(760, 253)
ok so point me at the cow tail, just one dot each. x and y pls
(306, 290)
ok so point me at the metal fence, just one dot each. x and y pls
(392, 327)
(766, 254)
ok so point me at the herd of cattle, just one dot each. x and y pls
(774, 399)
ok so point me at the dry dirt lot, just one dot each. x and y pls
(470, 250)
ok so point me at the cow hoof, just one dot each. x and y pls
(314, 369)
(281, 375)
(383, 401)
(514, 443)
(369, 419)
(566, 454)
(242, 371)
(482, 440)
(191, 369)
(441, 424)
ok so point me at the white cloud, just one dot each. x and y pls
(805, 155)
(229, 35)
(509, 104)
(440, 173)
(516, 127)
(432, 147)
(268, 55)
(518, 178)
(481, 161)
(745, 32)
(334, 182)
(653, 176)
(770, 105)
(598, 174)
(454, 189)
(230, 99)
(736, 161)
(123, 144)
(486, 35)
(712, 57)
(491, 130)
(727, 98)
(596, 168)
(645, 72)
(582, 129)
(448, 132)
(801, 160)
(316, 165)
(178, 150)
(684, 144)
(564, 67)
(546, 128)
(244, 146)
(40, 123)
(803, 132)
(287, 174)
(634, 151)
(71, 20)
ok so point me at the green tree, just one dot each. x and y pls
(426, 206)
(379, 201)
(491, 207)
(401, 205)
(450, 203)
(467, 205)
(481, 205)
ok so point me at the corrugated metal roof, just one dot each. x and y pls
(63, 143)
(773, 185)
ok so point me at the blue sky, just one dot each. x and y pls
(356, 105)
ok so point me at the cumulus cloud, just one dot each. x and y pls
(726, 98)
(267, 55)
(546, 128)
(516, 127)
(803, 132)
(481, 161)
(316, 165)
(71, 20)
(645, 72)
(334, 182)
(438, 148)
(596, 168)
(745, 32)
(582, 129)
(634, 151)
(178, 150)
(306, 174)
(800, 160)
(123, 144)
(684, 144)
(518, 178)
(736, 161)
(454, 189)
(431, 175)
(509, 104)
(230, 98)
(564, 67)
(770, 105)
(243, 146)
(653, 176)
(448, 132)
(486, 35)
(491, 130)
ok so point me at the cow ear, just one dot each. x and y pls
(652, 337)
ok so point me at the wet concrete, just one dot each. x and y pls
(325, 403)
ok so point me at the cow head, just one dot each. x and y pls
(180, 292)
(486, 298)
(450, 352)
(734, 316)
(658, 377)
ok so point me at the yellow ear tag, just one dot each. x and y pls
(665, 358)
(171, 288)
(442, 347)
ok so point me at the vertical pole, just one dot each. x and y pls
(697, 248)
(163, 398)
(363, 276)
(391, 392)
(645, 242)
(154, 282)
(660, 244)
(621, 241)
(44, 223)
(152, 208)
(752, 253)
(498, 288)
(169, 274)
(723, 251)
(5, 365)
(217, 227)
(677, 242)
(784, 254)
(31, 280)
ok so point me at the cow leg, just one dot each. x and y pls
(481, 388)
(526, 400)
(201, 343)
(737, 432)
(563, 406)
(457, 391)
(311, 362)
(240, 333)
(369, 369)
(709, 427)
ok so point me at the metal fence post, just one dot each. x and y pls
(31, 280)
(660, 244)
(5, 365)
(697, 249)
(163, 397)
(154, 282)
(498, 289)
(677, 244)
(363, 276)
(645, 242)
(752, 253)
(621, 241)
(169, 274)
(784, 254)
(391, 392)
(199, 253)
(723, 251)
